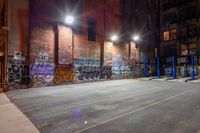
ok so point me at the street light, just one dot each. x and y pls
(136, 38)
(69, 20)
(114, 38)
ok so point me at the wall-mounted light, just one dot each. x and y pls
(136, 38)
(114, 38)
(69, 20)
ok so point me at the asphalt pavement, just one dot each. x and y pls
(118, 106)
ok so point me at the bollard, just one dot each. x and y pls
(145, 67)
(171, 66)
(193, 72)
(173, 69)
(158, 67)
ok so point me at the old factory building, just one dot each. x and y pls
(39, 48)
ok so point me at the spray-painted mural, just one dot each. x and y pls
(116, 56)
(17, 71)
(89, 69)
(64, 74)
(120, 67)
(41, 71)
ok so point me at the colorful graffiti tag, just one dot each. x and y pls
(88, 69)
(42, 72)
(17, 71)
(64, 74)
(93, 72)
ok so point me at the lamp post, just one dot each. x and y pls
(69, 20)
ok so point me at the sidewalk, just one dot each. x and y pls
(196, 80)
(12, 119)
(183, 79)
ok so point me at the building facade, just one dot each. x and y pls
(141, 17)
(180, 34)
(42, 50)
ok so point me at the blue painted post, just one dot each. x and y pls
(145, 67)
(174, 69)
(193, 72)
(171, 66)
(185, 70)
(158, 67)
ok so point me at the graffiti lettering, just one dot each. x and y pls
(41, 69)
(17, 73)
(42, 72)
(64, 74)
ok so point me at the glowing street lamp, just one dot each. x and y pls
(136, 38)
(114, 38)
(69, 20)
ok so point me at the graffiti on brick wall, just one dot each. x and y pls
(64, 74)
(120, 66)
(93, 72)
(42, 44)
(41, 71)
(17, 71)
(88, 69)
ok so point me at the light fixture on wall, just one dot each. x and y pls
(114, 38)
(136, 38)
(69, 20)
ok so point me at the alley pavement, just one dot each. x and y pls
(118, 106)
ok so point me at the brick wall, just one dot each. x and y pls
(18, 26)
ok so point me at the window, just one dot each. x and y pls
(191, 12)
(184, 50)
(193, 48)
(183, 32)
(192, 30)
(169, 18)
(173, 34)
(166, 36)
(182, 14)
(91, 30)
(170, 50)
